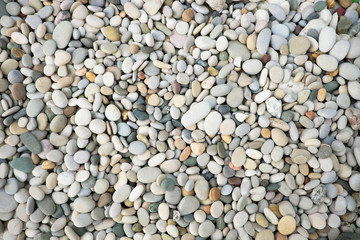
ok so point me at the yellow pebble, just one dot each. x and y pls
(321, 94)
(90, 76)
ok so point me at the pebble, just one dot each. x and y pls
(198, 120)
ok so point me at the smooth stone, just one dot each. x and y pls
(263, 40)
(62, 34)
(137, 147)
(235, 97)
(212, 123)
(327, 62)
(46, 205)
(148, 174)
(354, 88)
(277, 11)
(34, 107)
(31, 142)
(299, 45)
(187, 205)
(354, 182)
(7, 151)
(236, 49)
(340, 49)
(23, 164)
(206, 228)
(8, 203)
(84, 204)
(205, 43)
(327, 39)
(195, 114)
(349, 71)
(252, 66)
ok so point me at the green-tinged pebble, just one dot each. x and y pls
(23, 164)
(168, 184)
(118, 230)
(153, 208)
(31, 142)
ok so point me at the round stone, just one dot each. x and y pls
(287, 225)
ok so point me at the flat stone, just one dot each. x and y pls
(8, 203)
(7, 151)
(353, 116)
(263, 40)
(286, 225)
(188, 204)
(349, 71)
(34, 107)
(327, 62)
(327, 39)
(62, 34)
(299, 45)
(277, 11)
(18, 91)
(195, 114)
(47, 205)
(23, 164)
(236, 49)
(148, 174)
(31, 142)
(137, 147)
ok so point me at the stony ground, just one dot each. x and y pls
(164, 119)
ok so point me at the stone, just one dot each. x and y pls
(206, 228)
(349, 71)
(148, 174)
(7, 151)
(8, 202)
(327, 39)
(205, 43)
(46, 205)
(195, 114)
(23, 164)
(317, 220)
(354, 182)
(238, 157)
(187, 205)
(236, 49)
(286, 225)
(299, 45)
(34, 107)
(137, 147)
(240, 219)
(353, 89)
(279, 137)
(327, 62)
(277, 11)
(353, 116)
(18, 91)
(252, 66)
(263, 40)
(62, 34)
(265, 234)
(31, 142)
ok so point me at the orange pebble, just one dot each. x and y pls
(321, 94)
(141, 75)
(207, 209)
(90, 76)
(214, 193)
(185, 154)
(47, 165)
(265, 133)
(310, 115)
(231, 165)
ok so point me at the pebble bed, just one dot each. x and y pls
(164, 119)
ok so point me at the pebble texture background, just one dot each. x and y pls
(164, 119)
